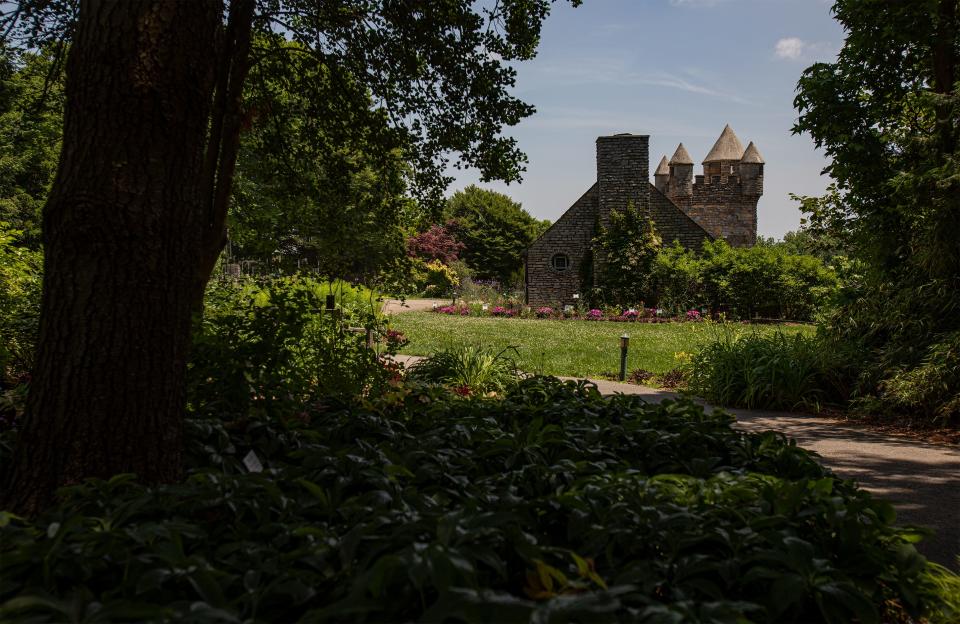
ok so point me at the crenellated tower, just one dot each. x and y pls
(722, 200)
(681, 174)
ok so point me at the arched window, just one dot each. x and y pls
(560, 262)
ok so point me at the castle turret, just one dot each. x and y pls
(751, 171)
(723, 160)
(681, 173)
(661, 177)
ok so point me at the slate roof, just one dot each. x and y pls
(752, 155)
(664, 167)
(681, 156)
(727, 147)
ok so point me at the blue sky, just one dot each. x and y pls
(677, 70)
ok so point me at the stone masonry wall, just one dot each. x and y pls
(571, 235)
(623, 176)
(673, 224)
(723, 210)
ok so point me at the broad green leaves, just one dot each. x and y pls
(553, 504)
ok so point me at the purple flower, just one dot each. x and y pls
(544, 312)
(594, 315)
(693, 315)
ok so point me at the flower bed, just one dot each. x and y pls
(631, 315)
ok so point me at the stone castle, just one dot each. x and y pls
(720, 203)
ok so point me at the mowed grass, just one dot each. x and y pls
(568, 348)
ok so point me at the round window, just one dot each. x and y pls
(560, 262)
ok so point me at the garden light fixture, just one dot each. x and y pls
(624, 345)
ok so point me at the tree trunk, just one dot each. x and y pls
(128, 249)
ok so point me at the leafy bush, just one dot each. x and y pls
(270, 347)
(930, 389)
(468, 369)
(20, 288)
(553, 504)
(627, 248)
(765, 281)
(771, 371)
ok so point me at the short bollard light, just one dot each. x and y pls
(624, 345)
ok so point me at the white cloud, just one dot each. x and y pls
(795, 48)
(789, 48)
(605, 71)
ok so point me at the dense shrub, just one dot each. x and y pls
(270, 346)
(909, 341)
(553, 504)
(763, 280)
(20, 288)
(626, 248)
(771, 371)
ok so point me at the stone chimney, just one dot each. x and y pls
(623, 173)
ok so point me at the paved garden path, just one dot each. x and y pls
(393, 306)
(922, 480)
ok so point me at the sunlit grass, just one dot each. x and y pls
(571, 348)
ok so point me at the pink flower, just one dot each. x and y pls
(594, 315)
(544, 312)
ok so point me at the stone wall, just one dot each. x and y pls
(673, 224)
(688, 213)
(722, 209)
(623, 173)
(623, 177)
(571, 235)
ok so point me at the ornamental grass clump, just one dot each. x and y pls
(769, 371)
(468, 369)
(552, 503)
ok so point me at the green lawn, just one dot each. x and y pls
(571, 348)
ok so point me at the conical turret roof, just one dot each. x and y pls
(664, 167)
(681, 157)
(752, 155)
(727, 147)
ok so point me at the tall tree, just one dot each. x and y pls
(136, 216)
(310, 187)
(887, 112)
(31, 122)
(495, 231)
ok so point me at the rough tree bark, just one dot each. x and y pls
(132, 228)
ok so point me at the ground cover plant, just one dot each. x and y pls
(566, 348)
(552, 504)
